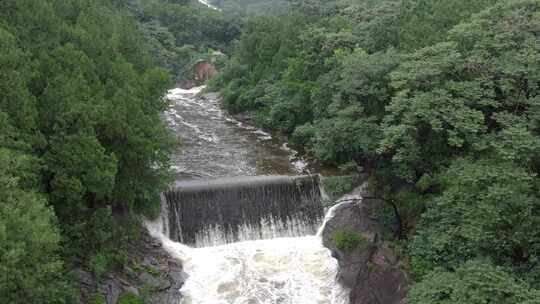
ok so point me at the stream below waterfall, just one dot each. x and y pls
(273, 271)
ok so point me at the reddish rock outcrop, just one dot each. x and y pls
(201, 71)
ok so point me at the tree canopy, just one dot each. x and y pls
(438, 102)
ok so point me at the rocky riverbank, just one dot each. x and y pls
(151, 275)
(367, 266)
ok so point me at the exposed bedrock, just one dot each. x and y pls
(199, 72)
(150, 274)
(370, 270)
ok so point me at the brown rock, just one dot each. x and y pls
(156, 272)
(371, 270)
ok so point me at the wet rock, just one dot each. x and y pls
(150, 270)
(154, 282)
(111, 289)
(371, 270)
(84, 278)
(87, 283)
(131, 290)
(176, 272)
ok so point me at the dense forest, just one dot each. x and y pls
(438, 102)
(84, 153)
(252, 7)
(180, 32)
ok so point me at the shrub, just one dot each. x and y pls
(347, 240)
(96, 299)
(129, 298)
(474, 282)
(99, 264)
(336, 186)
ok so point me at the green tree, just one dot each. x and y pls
(30, 265)
(458, 96)
(488, 208)
(475, 282)
(426, 22)
(82, 97)
(350, 104)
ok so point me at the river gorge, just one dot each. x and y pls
(241, 217)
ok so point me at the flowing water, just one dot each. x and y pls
(251, 214)
(229, 210)
(217, 145)
(207, 3)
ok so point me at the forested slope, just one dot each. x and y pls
(180, 32)
(438, 101)
(252, 7)
(83, 150)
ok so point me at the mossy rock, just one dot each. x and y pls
(347, 240)
(129, 298)
(96, 299)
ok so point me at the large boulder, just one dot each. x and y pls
(370, 270)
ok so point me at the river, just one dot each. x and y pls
(214, 144)
(275, 271)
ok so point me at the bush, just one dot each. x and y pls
(303, 135)
(99, 264)
(31, 270)
(475, 282)
(336, 186)
(129, 298)
(97, 299)
(347, 240)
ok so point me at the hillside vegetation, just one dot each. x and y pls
(252, 7)
(438, 101)
(180, 32)
(83, 150)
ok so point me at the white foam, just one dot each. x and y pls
(285, 147)
(284, 270)
(287, 270)
(261, 132)
(268, 229)
(177, 93)
(207, 3)
(299, 165)
(211, 138)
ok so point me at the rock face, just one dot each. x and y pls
(150, 274)
(370, 270)
(198, 73)
(203, 70)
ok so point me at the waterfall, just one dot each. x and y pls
(208, 4)
(228, 210)
(296, 270)
(242, 240)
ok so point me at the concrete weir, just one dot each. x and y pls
(227, 210)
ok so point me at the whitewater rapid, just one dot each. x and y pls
(296, 270)
(208, 4)
(285, 271)
(277, 271)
